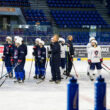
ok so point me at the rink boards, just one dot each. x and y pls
(80, 52)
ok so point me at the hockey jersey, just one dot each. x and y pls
(63, 50)
(8, 50)
(94, 54)
(19, 53)
(42, 54)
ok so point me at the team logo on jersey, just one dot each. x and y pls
(7, 49)
(39, 52)
(15, 54)
(96, 52)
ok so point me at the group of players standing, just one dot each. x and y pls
(59, 52)
(14, 57)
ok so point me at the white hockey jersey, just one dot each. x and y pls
(63, 51)
(94, 54)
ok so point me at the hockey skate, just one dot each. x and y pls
(16, 81)
(57, 81)
(35, 77)
(21, 81)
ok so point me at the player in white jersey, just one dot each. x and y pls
(88, 47)
(94, 59)
(63, 55)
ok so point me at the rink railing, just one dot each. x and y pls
(80, 52)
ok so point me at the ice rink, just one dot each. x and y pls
(49, 96)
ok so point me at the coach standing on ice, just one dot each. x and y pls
(70, 55)
(55, 61)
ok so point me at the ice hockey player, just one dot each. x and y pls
(7, 54)
(19, 59)
(41, 60)
(14, 49)
(94, 59)
(69, 55)
(63, 55)
(89, 45)
(24, 47)
(55, 60)
(35, 54)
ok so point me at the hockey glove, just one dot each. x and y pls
(71, 59)
(34, 47)
(101, 60)
(10, 46)
(89, 62)
(12, 61)
(19, 61)
(3, 58)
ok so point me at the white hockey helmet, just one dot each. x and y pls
(21, 38)
(61, 40)
(94, 41)
(91, 38)
(38, 39)
(8, 37)
(16, 37)
(41, 42)
(18, 41)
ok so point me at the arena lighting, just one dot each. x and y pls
(24, 26)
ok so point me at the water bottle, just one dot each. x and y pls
(100, 94)
(73, 95)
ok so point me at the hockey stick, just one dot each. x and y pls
(2, 69)
(7, 77)
(106, 70)
(3, 81)
(106, 66)
(8, 72)
(30, 69)
(75, 70)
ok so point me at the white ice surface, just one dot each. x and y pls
(49, 96)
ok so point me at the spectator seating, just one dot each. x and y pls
(76, 19)
(108, 6)
(34, 16)
(68, 4)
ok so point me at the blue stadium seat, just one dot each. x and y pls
(70, 19)
(68, 4)
(34, 16)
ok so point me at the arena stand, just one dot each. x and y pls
(68, 4)
(65, 17)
